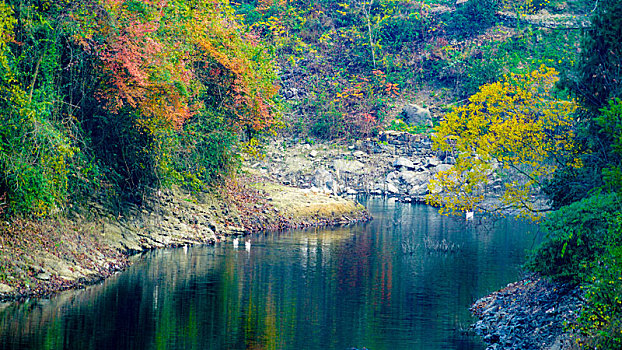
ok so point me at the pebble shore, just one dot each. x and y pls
(528, 314)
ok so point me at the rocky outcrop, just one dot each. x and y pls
(416, 115)
(291, 89)
(544, 19)
(528, 314)
(395, 164)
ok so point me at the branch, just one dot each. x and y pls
(34, 79)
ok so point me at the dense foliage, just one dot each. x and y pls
(584, 235)
(348, 67)
(576, 235)
(122, 97)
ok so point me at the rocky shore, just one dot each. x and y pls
(394, 164)
(528, 314)
(42, 257)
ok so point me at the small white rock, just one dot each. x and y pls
(391, 188)
(403, 162)
(5, 288)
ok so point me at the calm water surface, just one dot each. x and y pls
(380, 285)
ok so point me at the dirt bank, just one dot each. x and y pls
(40, 257)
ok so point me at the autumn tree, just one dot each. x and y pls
(172, 76)
(509, 133)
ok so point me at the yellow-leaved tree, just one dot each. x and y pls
(509, 137)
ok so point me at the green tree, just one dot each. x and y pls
(596, 83)
(600, 67)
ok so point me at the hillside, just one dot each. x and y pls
(348, 68)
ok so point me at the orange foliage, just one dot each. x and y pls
(250, 94)
(151, 58)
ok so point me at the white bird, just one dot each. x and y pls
(236, 243)
(247, 244)
(469, 215)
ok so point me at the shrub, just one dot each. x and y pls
(128, 152)
(600, 321)
(400, 125)
(610, 122)
(472, 18)
(204, 152)
(327, 125)
(480, 73)
(577, 235)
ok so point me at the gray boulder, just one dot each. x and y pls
(392, 176)
(402, 162)
(359, 154)
(432, 162)
(391, 188)
(348, 166)
(417, 115)
(415, 178)
(418, 190)
(324, 179)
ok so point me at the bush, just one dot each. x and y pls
(33, 168)
(577, 235)
(327, 125)
(610, 122)
(472, 18)
(400, 125)
(204, 153)
(480, 73)
(128, 152)
(397, 31)
(600, 321)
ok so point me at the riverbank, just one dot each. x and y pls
(95, 243)
(41, 257)
(529, 314)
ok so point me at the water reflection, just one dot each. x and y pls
(315, 289)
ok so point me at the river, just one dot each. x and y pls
(402, 281)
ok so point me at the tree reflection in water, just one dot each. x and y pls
(314, 289)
